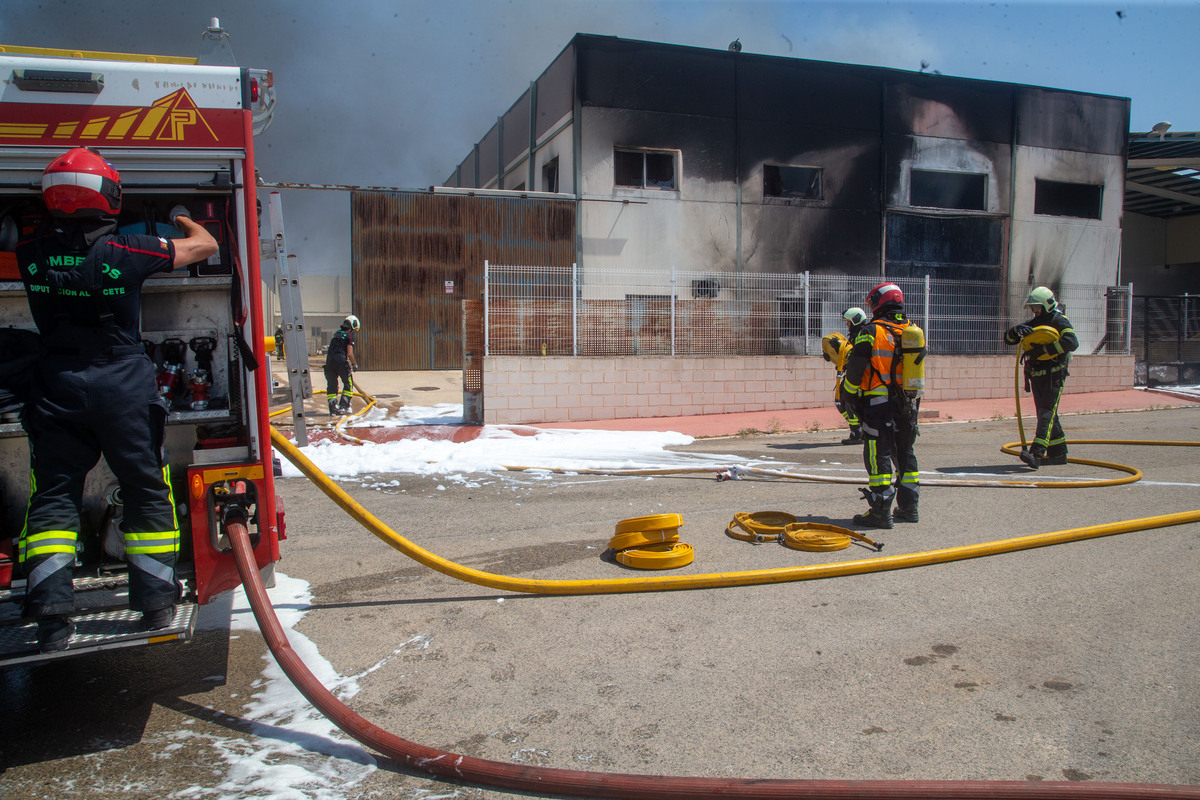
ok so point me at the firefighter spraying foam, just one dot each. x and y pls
(94, 392)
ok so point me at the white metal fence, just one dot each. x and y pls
(532, 310)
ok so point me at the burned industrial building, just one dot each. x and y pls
(736, 162)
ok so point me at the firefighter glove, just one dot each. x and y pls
(178, 211)
(1019, 332)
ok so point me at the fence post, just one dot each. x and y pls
(1129, 320)
(806, 312)
(928, 289)
(672, 310)
(575, 308)
(1183, 309)
(486, 328)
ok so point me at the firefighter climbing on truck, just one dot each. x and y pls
(94, 391)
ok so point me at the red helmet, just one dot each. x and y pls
(80, 183)
(884, 294)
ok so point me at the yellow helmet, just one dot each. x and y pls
(832, 345)
(1043, 298)
(855, 316)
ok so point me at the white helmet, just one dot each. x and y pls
(351, 323)
(855, 316)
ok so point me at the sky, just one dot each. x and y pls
(397, 92)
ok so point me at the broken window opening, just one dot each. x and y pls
(797, 183)
(961, 191)
(550, 175)
(1061, 199)
(644, 169)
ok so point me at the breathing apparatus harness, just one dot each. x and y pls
(906, 379)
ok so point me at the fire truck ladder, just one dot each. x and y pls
(291, 312)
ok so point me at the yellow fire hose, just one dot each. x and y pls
(710, 580)
(339, 426)
(780, 526)
(506, 775)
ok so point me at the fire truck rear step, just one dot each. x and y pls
(105, 630)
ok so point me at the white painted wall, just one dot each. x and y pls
(1052, 250)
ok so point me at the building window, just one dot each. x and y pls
(1059, 199)
(550, 175)
(644, 169)
(962, 191)
(798, 183)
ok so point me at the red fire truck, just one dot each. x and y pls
(177, 131)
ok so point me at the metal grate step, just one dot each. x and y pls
(106, 630)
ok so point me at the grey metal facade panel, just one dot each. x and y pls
(622, 73)
(807, 93)
(556, 92)
(406, 246)
(516, 129)
(929, 106)
(466, 172)
(489, 154)
(1072, 121)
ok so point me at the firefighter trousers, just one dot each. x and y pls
(335, 370)
(889, 427)
(81, 408)
(1049, 440)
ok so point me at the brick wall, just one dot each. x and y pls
(531, 390)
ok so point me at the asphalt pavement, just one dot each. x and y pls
(1067, 663)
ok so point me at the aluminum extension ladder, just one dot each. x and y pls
(291, 311)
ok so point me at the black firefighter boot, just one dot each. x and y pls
(1032, 457)
(855, 436)
(333, 408)
(54, 633)
(880, 513)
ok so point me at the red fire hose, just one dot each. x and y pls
(548, 781)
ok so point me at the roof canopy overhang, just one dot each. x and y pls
(1162, 178)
